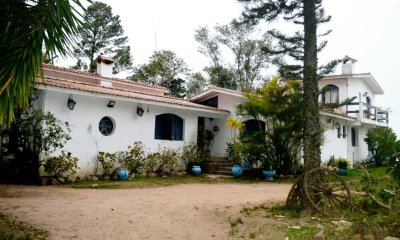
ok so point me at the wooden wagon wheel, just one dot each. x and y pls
(296, 192)
(327, 192)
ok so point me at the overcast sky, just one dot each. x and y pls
(367, 30)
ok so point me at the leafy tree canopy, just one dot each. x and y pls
(245, 69)
(165, 69)
(102, 33)
(279, 105)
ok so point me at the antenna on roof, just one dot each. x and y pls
(155, 34)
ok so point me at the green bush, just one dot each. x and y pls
(64, 164)
(167, 161)
(343, 163)
(108, 162)
(190, 155)
(151, 162)
(134, 158)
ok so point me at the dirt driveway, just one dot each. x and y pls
(191, 211)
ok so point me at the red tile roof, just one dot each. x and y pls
(95, 75)
(86, 87)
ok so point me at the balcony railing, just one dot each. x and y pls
(367, 112)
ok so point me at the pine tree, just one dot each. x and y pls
(102, 33)
(302, 47)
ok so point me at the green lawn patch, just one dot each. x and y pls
(146, 182)
(11, 229)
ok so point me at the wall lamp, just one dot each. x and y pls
(139, 110)
(111, 104)
(334, 123)
(71, 103)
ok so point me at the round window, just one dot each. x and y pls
(106, 126)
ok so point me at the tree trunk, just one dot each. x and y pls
(312, 127)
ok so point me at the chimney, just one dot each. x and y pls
(104, 66)
(348, 65)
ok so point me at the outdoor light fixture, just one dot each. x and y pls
(139, 110)
(71, 103)
(111, 104)
(365, 94)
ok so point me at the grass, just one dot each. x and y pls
(11, 229)
(146, 182)
(281, 222)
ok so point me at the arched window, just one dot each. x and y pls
(169, 127)
(330, 94)
(353, 137)
(253, 126)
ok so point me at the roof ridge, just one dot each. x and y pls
(100, 86)
(95, 75)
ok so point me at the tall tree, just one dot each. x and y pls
(102, 33)
(246, 47)
(26, 28)
(164, 69)
(196, 84)
(302, 46)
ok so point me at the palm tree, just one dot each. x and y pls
(30, 29)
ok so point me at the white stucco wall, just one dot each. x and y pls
(87, 141)
(227, 102)
(332, 145)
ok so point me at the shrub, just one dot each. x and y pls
(190, 155)
(151, 162)
(167, 161)
(64, 164)
(134, 158)
(343, 163)
(108, 162)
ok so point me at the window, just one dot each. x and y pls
(344, 132)
(353, 137)
(212, 102)
(339, 132)
(254, 126)
(330, 94)
(169, 127)
(106, 126)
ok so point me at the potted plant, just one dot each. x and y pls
(191, 157)
(268, 170)
(234, 145)
(343, 164)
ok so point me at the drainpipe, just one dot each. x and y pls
(360, 108)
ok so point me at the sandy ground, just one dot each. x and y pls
(192, 211)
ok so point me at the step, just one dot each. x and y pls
(226, 173)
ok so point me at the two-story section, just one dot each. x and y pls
(346, 126)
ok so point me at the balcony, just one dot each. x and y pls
(368, 113)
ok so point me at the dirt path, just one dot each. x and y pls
(192, 211)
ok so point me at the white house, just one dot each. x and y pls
(108, 114)
(347, 126)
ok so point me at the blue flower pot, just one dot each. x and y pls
(237, 171)
(269, 174)
(342, 171)
(247, 164)
(123, 174)
(196, 170)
